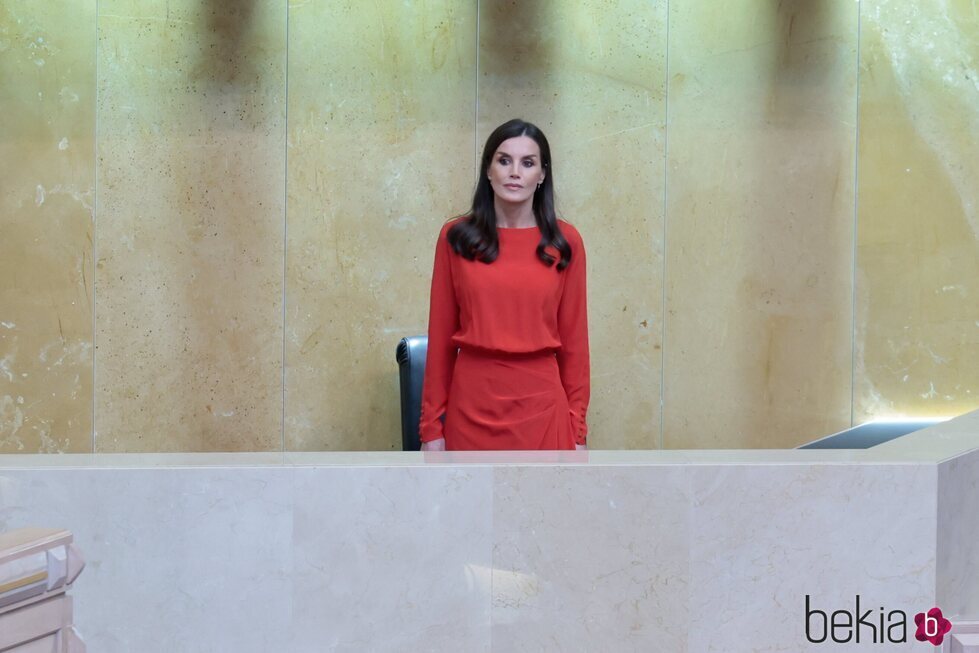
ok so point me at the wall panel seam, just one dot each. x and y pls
(94, 227)
(285, 235)
(666, 190)
(476, 97)
(856, 212)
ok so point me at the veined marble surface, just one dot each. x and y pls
(674, 550)
(917, 256)
(935, 444)
(958, 534)
(381, 119)
(47, 222)
(759, 224)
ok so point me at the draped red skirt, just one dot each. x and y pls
(503, 401)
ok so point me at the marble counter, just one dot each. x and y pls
(598, 551)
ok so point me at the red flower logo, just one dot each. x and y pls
(932, 626)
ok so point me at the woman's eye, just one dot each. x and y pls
(528, 164)
(504, 161)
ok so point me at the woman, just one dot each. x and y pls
(508, 329)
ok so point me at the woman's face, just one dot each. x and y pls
(516, 170)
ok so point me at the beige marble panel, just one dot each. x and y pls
(958, 532)
(592, 558)
(765, 536)
(917, 330)
(762, 104)
(594, 80)
(47, 182)
(190, 234)
(415, 574)
(381, 121)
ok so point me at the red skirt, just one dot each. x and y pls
(508, 402)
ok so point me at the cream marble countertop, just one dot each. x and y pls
(933, 445)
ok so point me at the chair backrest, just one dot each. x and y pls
(411, 355)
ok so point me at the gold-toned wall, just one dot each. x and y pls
(47, 212)
(759, 222)
(917, 276)
(218, 219)
(191, 215)
(381, 111)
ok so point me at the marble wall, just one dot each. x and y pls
(759, 231)
(47, 214)
(917, 274)
(191, 157)
(775, 198)
(480, 557)
(381, 119)
(958, 532)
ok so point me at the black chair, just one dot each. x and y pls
(411, 355)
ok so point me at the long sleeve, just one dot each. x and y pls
(573, 359)
(443, 322)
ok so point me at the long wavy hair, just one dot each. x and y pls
(476, 238)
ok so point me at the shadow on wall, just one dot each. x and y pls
(227, 192)
(782, 208)
(226, 30)
(517, 43)
(802, 27)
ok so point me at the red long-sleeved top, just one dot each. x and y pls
(516, 304)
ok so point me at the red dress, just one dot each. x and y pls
(507, 347)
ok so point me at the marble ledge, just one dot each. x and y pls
(927, 446)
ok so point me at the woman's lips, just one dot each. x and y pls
(513, 186)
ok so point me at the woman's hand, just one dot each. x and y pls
(434, 445)
(581, 447)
